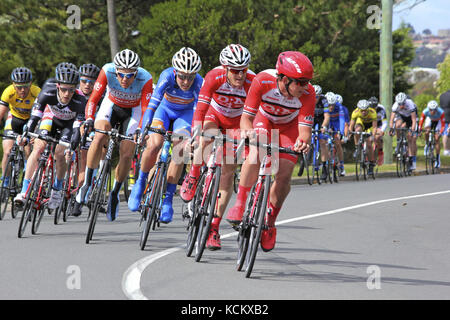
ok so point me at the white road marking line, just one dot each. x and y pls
(131, 281)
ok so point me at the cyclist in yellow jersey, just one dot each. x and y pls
(364, 118)
(16, 101)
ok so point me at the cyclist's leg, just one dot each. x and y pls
(7, 146)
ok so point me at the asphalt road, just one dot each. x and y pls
(352, 240)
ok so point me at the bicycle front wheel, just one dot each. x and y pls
(194, 217)
(208, 213)
(257, 224)
(29, 202)
(244, 231)
(4, 190)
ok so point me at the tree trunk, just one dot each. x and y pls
(112, 27)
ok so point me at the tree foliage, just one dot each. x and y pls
(443, 84)
(333, 34)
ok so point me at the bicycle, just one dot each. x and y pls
(98, 195)
(155, 189)
(134, 171)
(38, 191)
(312, 159)
(333, 161)
(361, 156)
(430, 157)
(204, 203)
(256, 213)
(401, 153)
(13, 175)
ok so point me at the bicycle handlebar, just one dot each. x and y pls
(49, 139)
(114, 133)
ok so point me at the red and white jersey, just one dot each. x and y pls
(219, 94)
(265, 97)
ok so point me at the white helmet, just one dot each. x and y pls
(400, 98)
(339, 98)
(331, 97)
(127, 59)
(235, 56)
(186, 60)
(432, 105)
(317, 89)
(363, 104)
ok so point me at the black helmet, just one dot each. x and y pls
(21, 75)
(373, 101)
(67, 65)
(67, 76)
(89, 70)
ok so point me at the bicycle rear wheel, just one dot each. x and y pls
(44, 189)
(208, 212)
(5, 190)
(307, 169)
(194, 217)
(29, 203)
(257, 224)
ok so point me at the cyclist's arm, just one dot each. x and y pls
(414, 121)
(146, 94)
(352, 125)
(210, 85)
(4, 109)
(391, 120)
(251, 105)
(306, 121)
(422, 119)
(442, 120)
(326, 119)
(97, 93)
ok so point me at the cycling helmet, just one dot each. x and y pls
(67, 76)
(186, 60)
(363, 104)
(317, 89)
(21, 75)
(373, 101)
(67, 65)
(294, 64)
(127, 59)
(89, 70)
(400, 98)
(432, 105)
(331, 97)
(235, 56)
(339, 98)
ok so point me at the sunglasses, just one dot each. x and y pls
(126, 75)
(183, 77)
(89, 81)
(65, 90)
(22, 86)
(237, 71)
(301, 82)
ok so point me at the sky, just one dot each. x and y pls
(431, 14)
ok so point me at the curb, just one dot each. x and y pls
(381, 175)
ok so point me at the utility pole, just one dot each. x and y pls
(386, 71)
(112, 28)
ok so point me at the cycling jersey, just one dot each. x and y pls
(368, 118)
(320, 109)
(381, 117)
(438, 116)
(220, 95)
(136, 95)
(337, 117)
(19, 108)
(406, 110)
(47, 107)
(168, 95)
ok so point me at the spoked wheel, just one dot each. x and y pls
(244, 232)
(308, 168)
(29, 203)
(257, 225)
(207, 214)
(194, 217)
(429, 161)
(149, 209)
(99, 195)
(358, 168)
(37, 218)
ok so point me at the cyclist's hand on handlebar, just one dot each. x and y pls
(89, 125)
(301, 146)
(248, 133)
(391, 132)
(344, 139)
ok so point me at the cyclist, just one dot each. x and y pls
(60, 110)
(52, 81)
(404, 115)
(128, 91)
(336, 123)
(444, 101)
(16, 101)
(219, 107)
(364, 119)
(381, 127)
(433, 118)
(172, 102)
(283, 100)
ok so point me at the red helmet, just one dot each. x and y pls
(294, 64)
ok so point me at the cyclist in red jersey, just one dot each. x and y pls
(283, 100)
(219, 107)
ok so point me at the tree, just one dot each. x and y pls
(443, 83)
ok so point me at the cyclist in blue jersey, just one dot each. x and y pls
(336, 123)
(173, 101)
